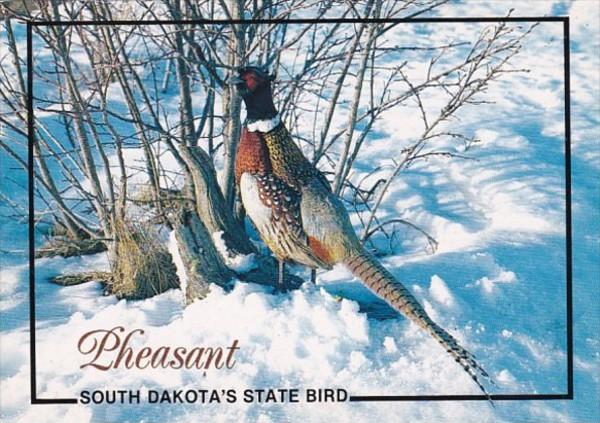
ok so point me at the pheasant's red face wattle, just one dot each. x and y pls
(251, 80)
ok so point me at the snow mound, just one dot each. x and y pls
(306, 338)
(240, 263)
(9, 277)
(440, 292)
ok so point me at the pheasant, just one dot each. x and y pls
(300, 220)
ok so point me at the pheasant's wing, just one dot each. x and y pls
(274, 208)
(326, 222)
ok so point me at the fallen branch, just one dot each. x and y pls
(64, 247)
(78, 278)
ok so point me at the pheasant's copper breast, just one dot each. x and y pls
(252, 155)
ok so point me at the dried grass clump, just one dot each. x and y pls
(141, 266)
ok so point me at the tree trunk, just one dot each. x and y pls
(210, 203)
(201, 261)
(234, 104)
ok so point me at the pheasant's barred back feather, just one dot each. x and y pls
(287, 160)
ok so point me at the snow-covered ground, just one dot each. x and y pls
(497, 281)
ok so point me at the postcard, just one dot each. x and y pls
(294, 211)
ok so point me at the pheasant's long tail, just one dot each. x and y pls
(379, 280)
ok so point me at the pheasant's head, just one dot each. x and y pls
(254, 85)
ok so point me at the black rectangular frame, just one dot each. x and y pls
(395, 21)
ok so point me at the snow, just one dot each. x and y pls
(505, 377)
(390, 344)
(9, 278)
(440, 292)
(241, 263)
(496, 281)
(488, 284)
(312, 340)
(178, 261)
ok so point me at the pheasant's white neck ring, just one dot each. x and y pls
(263, 125)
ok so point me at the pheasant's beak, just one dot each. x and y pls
(234, 80)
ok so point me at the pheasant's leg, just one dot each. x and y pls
(313, 276)
(280, 279)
